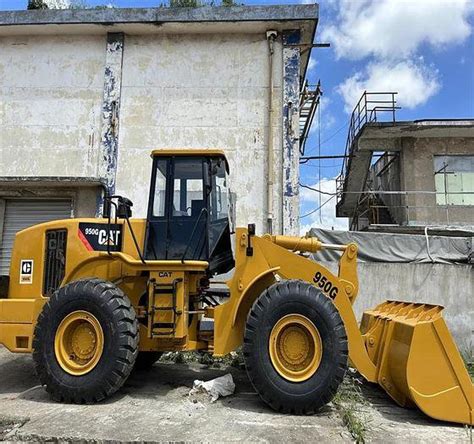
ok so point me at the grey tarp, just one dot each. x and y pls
(390, 247)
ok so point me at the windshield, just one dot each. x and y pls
(219, 198)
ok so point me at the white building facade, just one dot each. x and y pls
(85, 95)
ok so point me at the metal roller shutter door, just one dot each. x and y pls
(23, 213)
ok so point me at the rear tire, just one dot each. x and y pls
(61, 345)
(306, 379)
(145, 360)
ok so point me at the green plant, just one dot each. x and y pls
(37, 4)
(348, 400)
(197, 3)
(230, 3)
(73, 4)
(185, 3)
(468, 357)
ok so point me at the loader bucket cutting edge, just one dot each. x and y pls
(417, 360)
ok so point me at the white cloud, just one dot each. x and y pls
(58, 4)
(326, 217)
(394, 29)
(327, 122)
(327, 118)
(312, 63)
(414, 82)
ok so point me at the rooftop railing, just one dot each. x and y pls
(370, 210)
(372, 107)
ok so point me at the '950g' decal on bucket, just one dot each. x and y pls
(101, 237)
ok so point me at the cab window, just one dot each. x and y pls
(220, 193)
(160, 188)
(188, 189)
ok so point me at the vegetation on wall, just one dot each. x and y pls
(198, 3)
(37, 4)
(82, 4)
(60, 4)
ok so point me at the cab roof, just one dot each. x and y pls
(187, 152)
(205, 152)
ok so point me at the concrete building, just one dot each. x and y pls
(85, 95)
(404, 176)
(405, 187)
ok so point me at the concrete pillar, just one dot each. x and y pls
(291, 144)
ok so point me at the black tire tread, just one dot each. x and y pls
(276, 294)
(124, 358)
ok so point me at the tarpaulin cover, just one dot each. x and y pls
(391, 247)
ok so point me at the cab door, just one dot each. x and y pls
(178, 210)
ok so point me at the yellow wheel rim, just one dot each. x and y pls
(79, 343)
(295, 348)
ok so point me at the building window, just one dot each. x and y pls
(454, 180)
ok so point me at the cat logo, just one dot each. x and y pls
(111, 240)
(100, 237)
(165, 274)
(26, 271)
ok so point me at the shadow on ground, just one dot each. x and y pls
(17, 374)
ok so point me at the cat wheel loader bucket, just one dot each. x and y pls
(417, 360)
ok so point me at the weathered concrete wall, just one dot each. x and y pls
(186, 90)
(417, 173)
(201, 91)
(451, 286)
(50, 101)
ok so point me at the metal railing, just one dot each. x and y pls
(371, 107)
(372, 211)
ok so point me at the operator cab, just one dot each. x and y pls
(189, 209)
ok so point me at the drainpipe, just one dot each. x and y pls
(271, 36)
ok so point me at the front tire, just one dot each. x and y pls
(85, 342)
(295, 347)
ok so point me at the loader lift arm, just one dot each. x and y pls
(275, 255)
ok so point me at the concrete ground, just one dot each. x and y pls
(154, 405)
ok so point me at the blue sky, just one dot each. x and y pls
(424, 49)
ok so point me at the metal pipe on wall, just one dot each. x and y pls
(271, 36)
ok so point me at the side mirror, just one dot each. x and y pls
(124, 208)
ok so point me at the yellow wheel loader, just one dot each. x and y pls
(91, 298)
